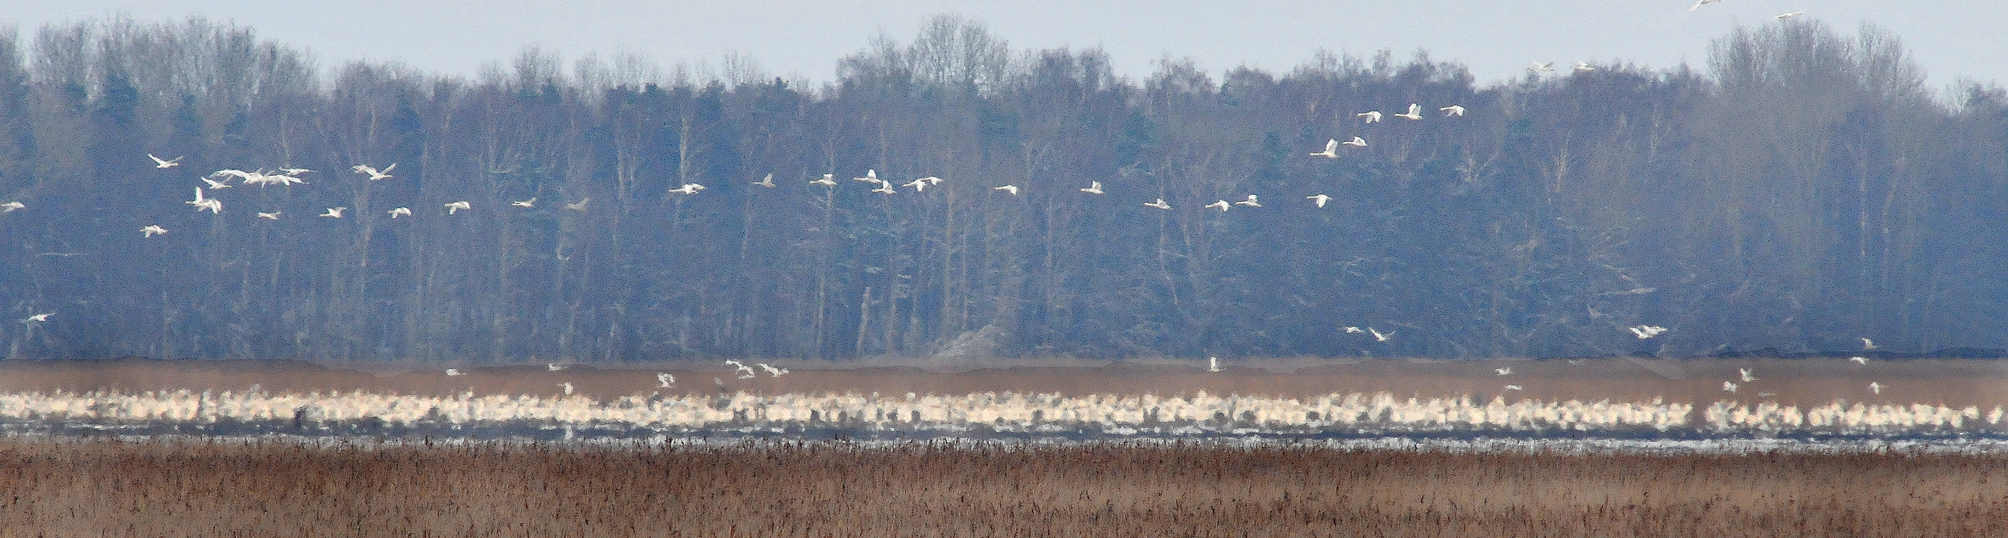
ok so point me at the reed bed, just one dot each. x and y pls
(60, 486)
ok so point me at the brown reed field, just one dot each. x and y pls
(181, 487)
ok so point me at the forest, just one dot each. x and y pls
(1802, 191)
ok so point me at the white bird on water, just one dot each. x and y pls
(152, 230)
(371, 171)
(1319, 199)
(1414, 112)
(665, 379)
(767, 182)
(1372, 116)
(1331, 149)
(9, 207)
(1158, 204)
(335, 212)
(394, 213)
(1452, 110)
(269, 216)
(776, 372)
(164, 163)
(1221, 205)
(1357, 142)
(1094, 187)
(1213, 364)
(532, 202)
(455, 207)
(1746, 375)
(1010, 189)
(1250, 202)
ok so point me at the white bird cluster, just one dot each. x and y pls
(1198, 414)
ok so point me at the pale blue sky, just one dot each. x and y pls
(1496, 39)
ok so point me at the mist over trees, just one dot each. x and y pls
(1804, 190)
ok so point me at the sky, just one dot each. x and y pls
(1497, 40)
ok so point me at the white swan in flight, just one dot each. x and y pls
(885, 187)
(1221, 205)
(555, 367)
(1729, 386)
(1414, 112)
(1868, 344)
(1094, 187)
(665, 379)
(919, 185)
(579, 205)
(1746, 375)
(1380, 336)
(1782, 16)
(1009, 189)
(335, 212)
(38, 318)
(1876, 387)
(1319, 199)
(1452, 110)
(1355, 330)
(1646, 331)
(1549, 67)
(1584, 67)
(152, 230)
(164, 163)
(828, 180)
(1357, 142)
(1331, 150)
(776, 372)
(871, 176)
(450, 372)
(1158, 204)
(9, 207)
(1504, 371)
(767, 182)
(1213, 364)
(295, 171)
(1250, 202)
(374, 174)
(456, 207)
(214, 184)
(1699, 3)
(532, 202)
(568, 387)
(1372, 116)
(687, 188)
(200, 203)
(397, 212)
(1514, 387)
(269, 216)
(1864, 361)
(745, 372)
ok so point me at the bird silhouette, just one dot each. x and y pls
(268, 216)
(1699, 3)
(532, 202)
(1250, 202)
(10, 207)
(579, 205)
(1746, 375)
(1221, 205)
(1213, 364)
(885, 187)
(1783, 16)
(394, 213)
(767, 182)
(776, 372)
(871, 176)
(919, 185)
(555, 367)
(372, 172)
(1876, 387)
(214, 184)
(828, 180)
(38, 318)
(1452, 110)
(455, 207)
(1504, 371)
(1545, 67)
(687, 188)
(1094, 187)
(335, 212)
(213, 205)
(1414, 113)
(1584, 67)
(1379, 336)
(1008, 189)
(450, 372)
(1356, 142)
(1646, 331)
(1372, 116)
(152, 230)
(1319, 199)
(1158, 204)
(1868, 344)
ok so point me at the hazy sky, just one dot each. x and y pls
(1952, 39)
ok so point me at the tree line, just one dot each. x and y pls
(1801, 192)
